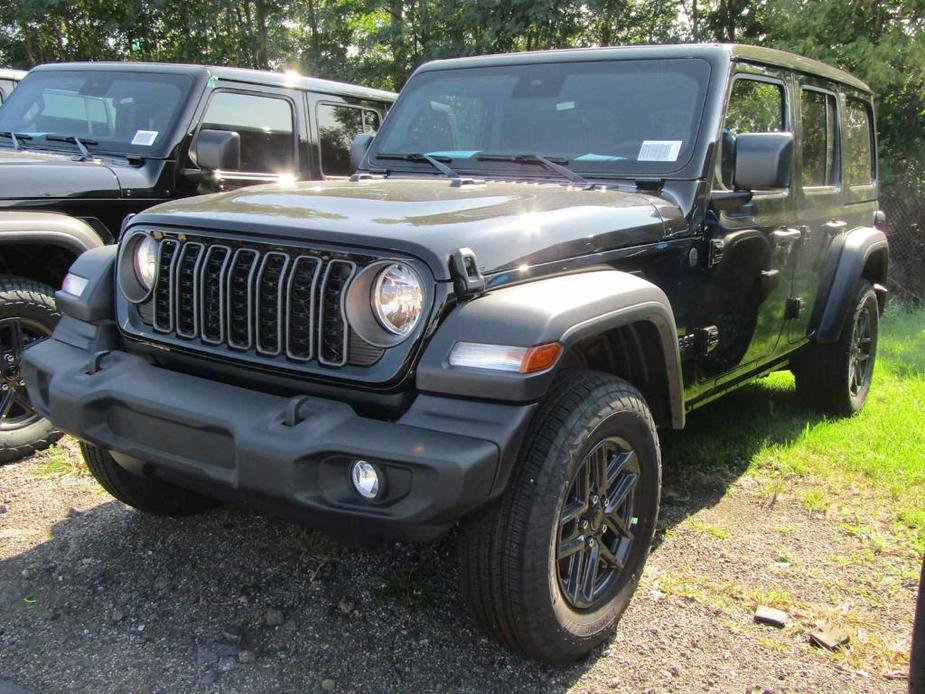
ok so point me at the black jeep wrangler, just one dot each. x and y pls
(83, 145)
(541, 259)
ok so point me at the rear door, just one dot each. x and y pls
(336, 121)
(820, 199)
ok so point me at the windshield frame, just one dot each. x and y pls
(690, 167)
(166, 141)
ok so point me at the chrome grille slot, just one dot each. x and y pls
(241, 298)
(163, 285)
(332, 322)
(212, 294)
(270, 296)
(187, 289)
(300, 301)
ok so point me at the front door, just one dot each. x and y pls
(751, 248)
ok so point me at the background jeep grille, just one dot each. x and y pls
(274, 302)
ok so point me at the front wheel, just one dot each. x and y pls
(27, 314)
(550, 568)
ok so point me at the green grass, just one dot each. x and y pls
(868, 471)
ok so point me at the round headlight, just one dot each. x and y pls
(146, 261)
(398, 299)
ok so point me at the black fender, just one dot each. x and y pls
(861, 252)
(52, 228)
(564, 309)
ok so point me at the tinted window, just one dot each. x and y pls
(616, 116)
(265, 125)
(754, 107)
(859, 138)
(120, 111)
(337, 126)
(818, 114)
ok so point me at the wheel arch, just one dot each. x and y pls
(42, 245)
(628, 315)
(863, 253)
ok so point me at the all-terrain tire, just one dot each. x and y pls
(509, 553)
(828, 378)
(149, 495)
(33, 303)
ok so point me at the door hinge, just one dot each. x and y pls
(717, 247)
(700, 342)
(794, 308)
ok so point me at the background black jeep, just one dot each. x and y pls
(542, 258)
(83, 145)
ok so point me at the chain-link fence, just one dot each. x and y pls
(905, 219)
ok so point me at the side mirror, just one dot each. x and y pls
(358, 149)
(217, 149)
(762, 161)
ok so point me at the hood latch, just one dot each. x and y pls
(467, 278)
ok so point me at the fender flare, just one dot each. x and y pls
(564, 309)
(52, 228)
(847, 260)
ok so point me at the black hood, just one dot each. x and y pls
(510, 226)
(29, 174)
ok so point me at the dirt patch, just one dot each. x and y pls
(96, 597)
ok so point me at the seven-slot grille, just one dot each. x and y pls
(273, 302)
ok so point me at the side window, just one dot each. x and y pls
(859, 147)
(818, 115)
(754, 107)
(265, 125)
(337, 126)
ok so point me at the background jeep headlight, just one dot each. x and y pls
(398, 298)
(146, 261)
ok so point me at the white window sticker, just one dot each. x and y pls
(145, 138)
(565, 106)
(659, 150)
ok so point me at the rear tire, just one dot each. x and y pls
(835, 378)
(540, 567)
(149, 495)
(27, 313)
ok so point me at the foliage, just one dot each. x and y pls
(380, 42)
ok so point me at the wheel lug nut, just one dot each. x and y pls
(584, 525)
(590, 542)
(594, 498)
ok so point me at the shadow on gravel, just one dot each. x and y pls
(118, 601)
(719, 442)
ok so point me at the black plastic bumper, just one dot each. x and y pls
(441, 459)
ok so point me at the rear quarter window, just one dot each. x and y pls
(819, 118)
(859, 144)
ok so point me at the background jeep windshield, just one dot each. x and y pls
(609, 117)
(125, 112)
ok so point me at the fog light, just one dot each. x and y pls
(366, 479)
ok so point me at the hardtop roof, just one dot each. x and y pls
(234, 74)
(8, 73)
(741, 52)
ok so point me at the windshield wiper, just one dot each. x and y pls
(16, 137)
(73, 139)
(417, 156)
(549, 164)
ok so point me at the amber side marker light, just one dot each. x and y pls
(540, 358)
(475, 355)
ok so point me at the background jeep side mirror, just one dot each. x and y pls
(762, 161)
(217, 149)
(358, 149)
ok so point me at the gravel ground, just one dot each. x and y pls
(97, 598)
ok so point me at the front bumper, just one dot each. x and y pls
(441, 459)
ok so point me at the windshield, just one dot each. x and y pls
(619, 117)
(116, 111)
